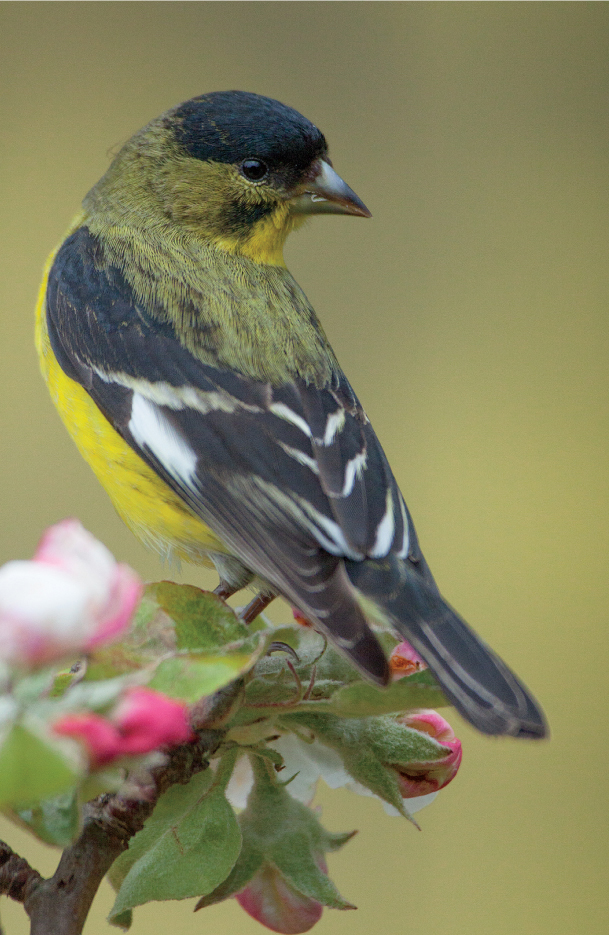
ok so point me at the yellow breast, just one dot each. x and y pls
(149, 507)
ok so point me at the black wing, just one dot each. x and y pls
(291, 478)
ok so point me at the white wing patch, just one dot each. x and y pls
(152, 430)
(384, 531)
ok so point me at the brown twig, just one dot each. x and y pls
(16, 876)
(60, 905)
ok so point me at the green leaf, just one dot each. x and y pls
(87, 696)
(289, 835)
(27, 690)
(248, 863)
(198, 642)
(55, 821)
(150, 637)
(369, 746)
(171, 617)
(31, 770)
(202, 620)
(280, 831)
(174, 802)
(124, 920)
(61, 683)
(192, 677)
(187, 848)
(361, 699)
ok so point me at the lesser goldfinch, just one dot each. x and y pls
(196, 380)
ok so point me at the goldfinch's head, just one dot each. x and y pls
(237, 169)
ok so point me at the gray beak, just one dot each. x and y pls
(326, 193)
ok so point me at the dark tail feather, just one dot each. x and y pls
(335, 612)
(473, 678)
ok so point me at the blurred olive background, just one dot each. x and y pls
(471, 315)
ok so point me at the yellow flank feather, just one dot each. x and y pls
(149, 507)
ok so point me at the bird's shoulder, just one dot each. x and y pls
(226, 309)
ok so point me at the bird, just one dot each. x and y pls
(197, 381)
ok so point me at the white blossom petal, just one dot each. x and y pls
(241, 782)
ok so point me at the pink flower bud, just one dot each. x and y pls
(300, 618)
(422, 778)
(405, 660)
(98, 735)
(272, 901)
(71, 597)
(144, 720)
(148, 719)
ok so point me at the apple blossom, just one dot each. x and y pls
(69, 598)
(308, 763)
(144, 720)
(418, 779)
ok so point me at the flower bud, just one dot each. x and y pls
(273, 902)
(144, 720)
(70, 598)
(300, 618)
(420, 778)
(405, 660)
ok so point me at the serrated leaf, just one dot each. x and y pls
(31, 770)
(124, 920)
(280, 833)
(289, 836)
(299, 867)
(369, 746)
(55, 821)
(202, 620)
(187, 848)
(248, 863)
(360, 699)
(172, 803)
(192, 677)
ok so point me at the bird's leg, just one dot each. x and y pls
(255, 607)
(225, 590)
(232, 573)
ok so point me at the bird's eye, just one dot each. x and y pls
(254, 169)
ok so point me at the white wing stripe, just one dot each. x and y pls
(179, 397)
(284, 412)
(327, 532)
(406, 539)
(301, 457)
(384, 531)
(150, 429)
(353, 469)
(334, 424)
